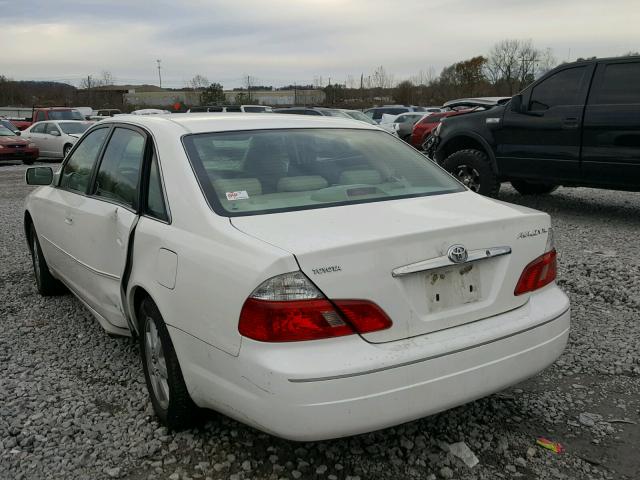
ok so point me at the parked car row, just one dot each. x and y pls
(578, 125)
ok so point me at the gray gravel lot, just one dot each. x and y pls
(73, 403)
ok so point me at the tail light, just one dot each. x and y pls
(542, 271)
(289, 308)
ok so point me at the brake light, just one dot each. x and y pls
(289, 308)
(542, 271)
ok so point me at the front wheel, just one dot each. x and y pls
(528, 188)
(472, 168)
(47, 284)
(167, 389)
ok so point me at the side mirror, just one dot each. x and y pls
(55, 133)
(17, 133)
(39, 176)
(516, 103)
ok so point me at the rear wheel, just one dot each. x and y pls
(47, 284)
(472, 168)
(528, 188)
(65, 150)
(167, 389)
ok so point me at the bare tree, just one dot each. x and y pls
(516, 63)
(381, 79)
(198, 82)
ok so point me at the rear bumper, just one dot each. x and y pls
(327, 389)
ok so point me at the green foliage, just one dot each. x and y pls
(212, 95)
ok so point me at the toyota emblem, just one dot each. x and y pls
(457, 253)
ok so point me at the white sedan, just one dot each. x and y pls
(312, 277)
(55, 138)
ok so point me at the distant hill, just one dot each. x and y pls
(25, 93)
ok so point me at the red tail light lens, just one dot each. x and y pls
(289, 308)
(278, 321)
(365, 317)
(542, 271)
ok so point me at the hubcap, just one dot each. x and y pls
(156, 364)
(469, 176)
(36, 260)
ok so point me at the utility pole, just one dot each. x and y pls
(89, 89)
(159, 74)
(249, 87)
(295, 93)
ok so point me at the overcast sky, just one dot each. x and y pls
(282, 41)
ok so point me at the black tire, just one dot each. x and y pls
(27, 162)
(528, 188)
(47, 284)
(177, 411)
(472, 168)
(65, 151)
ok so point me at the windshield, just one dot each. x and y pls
(266, 171)
(5, 132)
(360, 116)
(73, 127)
(65, 115)
(9, 125)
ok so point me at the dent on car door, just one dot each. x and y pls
(611, 137)
(105, 222)
(543, 139)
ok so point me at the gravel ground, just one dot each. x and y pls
(73, 403)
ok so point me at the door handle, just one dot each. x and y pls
(570, 122)
(68, 220)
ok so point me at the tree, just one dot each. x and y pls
(403, 93)
(198, 83)
(212, 95)
(381, 79)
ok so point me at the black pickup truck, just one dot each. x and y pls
(578, 125)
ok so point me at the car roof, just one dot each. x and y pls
(220, 122)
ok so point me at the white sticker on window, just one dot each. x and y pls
(239, 195)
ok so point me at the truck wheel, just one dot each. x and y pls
(472, 168)
(168, 392)
(528, 188)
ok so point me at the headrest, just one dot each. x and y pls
(302, 183)
(367, 177)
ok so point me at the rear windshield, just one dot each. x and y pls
(255, 109)
(72, 127)
(265, 171)
(65, 115)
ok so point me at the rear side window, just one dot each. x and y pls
(38, 128)
(265, 171)
(618, 84)
(562, 88)
(155, 206)
(50, 128)
(234, 109)
(76, 173)
(119, 170)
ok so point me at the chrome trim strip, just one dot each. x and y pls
(88, 267)
(439, 262)
(426, 359)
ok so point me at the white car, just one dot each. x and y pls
(312, 277)
(55, 138)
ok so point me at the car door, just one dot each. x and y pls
(53, 140)
(611, 137)
(542, 140)
(55, 229)
(36, 135)
(104, 221)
